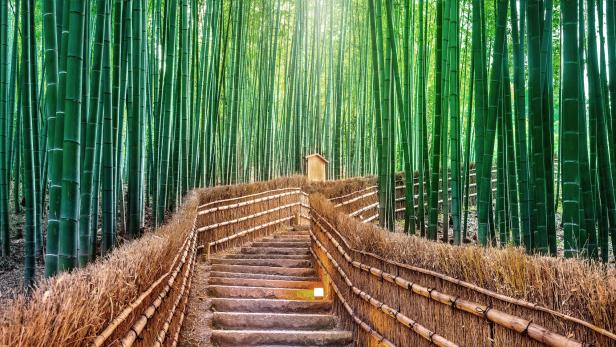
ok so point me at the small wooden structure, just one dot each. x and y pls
(316, 167)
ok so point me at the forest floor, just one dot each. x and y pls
(12, 268)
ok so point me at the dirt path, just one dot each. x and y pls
(197, 327)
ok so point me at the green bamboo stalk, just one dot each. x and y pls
(69, 211)
(92, 130)
(135, 120)
(56, 158)
(28, 81)
(166, 116)
(454, 104)
(570, 130)
(485, 170)
(4, 121)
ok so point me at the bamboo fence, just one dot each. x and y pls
(259, 216)
(363, 203)
(391, 298)
(157, 311)
(227, 216)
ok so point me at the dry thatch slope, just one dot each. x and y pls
(72, 308)
(575, 287)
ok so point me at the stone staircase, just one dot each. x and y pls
(263, 296)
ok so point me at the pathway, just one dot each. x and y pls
(263, 295)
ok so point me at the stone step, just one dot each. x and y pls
(283, 244)
(267, 270)
(289, 236)
(302, 233)
(289, 239)
(295, 234)
(281, 337)
(275, 250)
(223, 291)
(252, 282)
(240, 275)
(263, 262)
(274, 321)
(296, 229)
(269, 256)
(334, 345)
(271, 305)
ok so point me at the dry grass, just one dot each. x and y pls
(575, 287)
(71, 309)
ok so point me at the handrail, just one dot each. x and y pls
(506, 320)
(403, 208)
(364, 209)
(119, 319)
(141, 323)
(352, 193)
(116, 322)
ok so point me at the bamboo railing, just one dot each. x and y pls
(155, 317)
(261, 215)
(364, 204)
(457, 311)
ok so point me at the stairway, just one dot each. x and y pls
(263, 296)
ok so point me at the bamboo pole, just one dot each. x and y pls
(201, 207)
(245, 203)
(245, 218)
(151, 311)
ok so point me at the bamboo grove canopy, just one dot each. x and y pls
(111, 108)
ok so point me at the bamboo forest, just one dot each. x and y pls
(307, 172)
